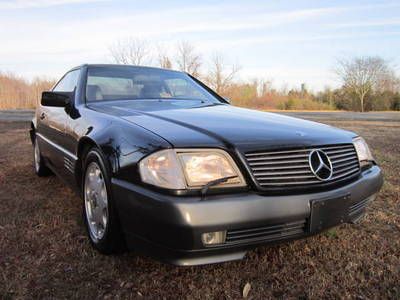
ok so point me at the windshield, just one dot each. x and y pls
(139, 83)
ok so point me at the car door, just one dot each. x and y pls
(52, 124)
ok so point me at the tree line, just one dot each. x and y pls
(17, 92)
(366, 83)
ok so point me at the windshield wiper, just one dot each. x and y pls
(206, 187)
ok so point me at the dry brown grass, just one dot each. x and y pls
(17, 93)
(44, 252)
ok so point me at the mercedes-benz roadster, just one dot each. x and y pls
(167, 167)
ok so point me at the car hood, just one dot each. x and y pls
(226, 125)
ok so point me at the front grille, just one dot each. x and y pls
(291, 167)
(266, 233)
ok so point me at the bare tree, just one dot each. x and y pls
(131, 52)
(361, 75)
(221, 75)
(389, 82)
(164, 60)
(187, 59)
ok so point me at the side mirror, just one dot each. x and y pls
(56, 99)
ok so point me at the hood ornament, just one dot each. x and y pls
(320, 165)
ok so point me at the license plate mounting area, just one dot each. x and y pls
(326, 213)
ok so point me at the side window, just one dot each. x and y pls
(68, 83)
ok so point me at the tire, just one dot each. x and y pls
(38, 163)
(99, 211)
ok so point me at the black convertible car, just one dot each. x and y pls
(168, 167)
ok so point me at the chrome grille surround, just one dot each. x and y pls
(291, 167)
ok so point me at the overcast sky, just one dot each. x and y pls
(288, 42)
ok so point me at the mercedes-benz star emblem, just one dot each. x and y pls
(320, 165)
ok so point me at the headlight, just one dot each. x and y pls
(162, 169)
(363, 152)
(189, 168)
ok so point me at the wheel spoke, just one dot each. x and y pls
(97, 215)
(91, 178)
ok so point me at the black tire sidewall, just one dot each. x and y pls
(111, 241)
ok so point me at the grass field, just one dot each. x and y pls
(44, 252)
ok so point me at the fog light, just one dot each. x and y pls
(213, 238)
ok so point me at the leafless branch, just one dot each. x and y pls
(187, 59)
(131, 52)
(164, 60)
(221, 75)
(362, 75)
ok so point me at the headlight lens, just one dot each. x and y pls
(201, 167)
(363, 152)
(162, 169)
(187, 168)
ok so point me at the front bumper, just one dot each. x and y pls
(170, 227)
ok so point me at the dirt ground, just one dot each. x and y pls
(44, 252)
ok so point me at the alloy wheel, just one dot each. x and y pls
(96, 201)
(37, 156)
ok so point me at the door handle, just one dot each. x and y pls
(42, 116)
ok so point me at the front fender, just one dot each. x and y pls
(124, 145)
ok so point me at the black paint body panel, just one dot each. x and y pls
(126, 131)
